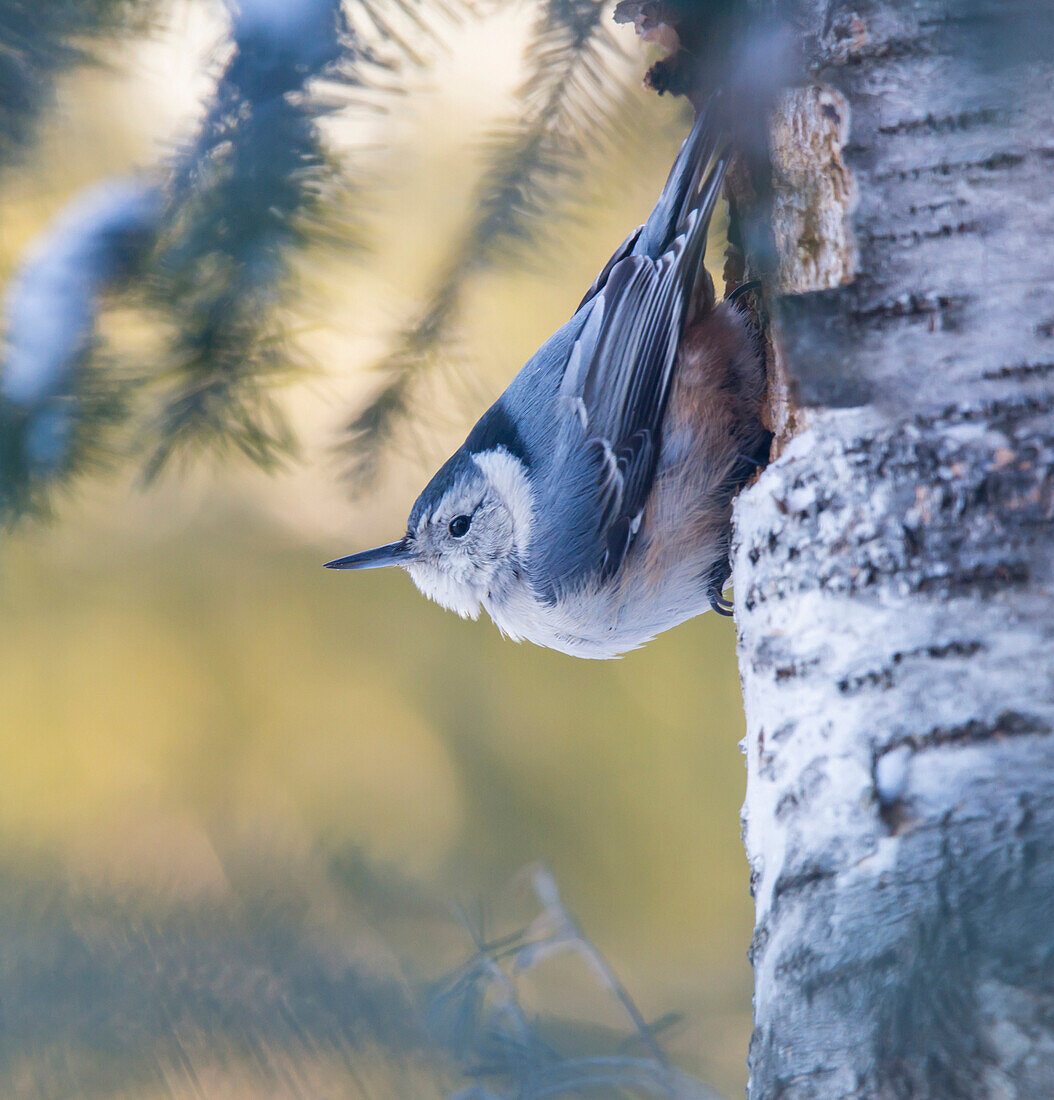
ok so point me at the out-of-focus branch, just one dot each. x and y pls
(246, 194)
(38, 44)
(568, 100)
(478, 1016)
(212, 249)
(143, 995)
(51, 407)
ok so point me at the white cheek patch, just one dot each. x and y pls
(507, 476)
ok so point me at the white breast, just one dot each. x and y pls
(658, 587)
(609, 622)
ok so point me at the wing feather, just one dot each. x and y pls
(616, 385)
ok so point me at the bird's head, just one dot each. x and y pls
(467, 534)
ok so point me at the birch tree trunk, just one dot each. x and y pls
(894, 568)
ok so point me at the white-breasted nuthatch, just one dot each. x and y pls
(589, 508)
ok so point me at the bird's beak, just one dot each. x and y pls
(395, 553)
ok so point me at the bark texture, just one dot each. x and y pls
(894, 568)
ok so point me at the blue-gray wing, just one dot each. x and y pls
(614, 391)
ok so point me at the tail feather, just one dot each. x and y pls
(689, 187)
(697, 278)
(686, 188)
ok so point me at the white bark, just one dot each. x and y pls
(894, 572)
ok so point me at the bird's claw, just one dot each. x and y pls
(752, 286)
(720, 604)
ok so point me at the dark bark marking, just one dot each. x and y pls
(996, 163)
(1020, 371)
(908, 306)
(983, 579)
(891, 49)
(939, 652)
(812, 780)
(799, 668)
(884, 677)
(800, 880)
(895, 814)
(881, 678)
(1009, 723)
(914, 236)
(947, 124)
(1001, 412)
(933, 207)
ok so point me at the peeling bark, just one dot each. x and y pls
(894, 569)
(814, 194)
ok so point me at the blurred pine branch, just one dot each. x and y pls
(55, 413)
(256, 186)
(40, 40)
(568, 102)
(246, 195)
(213, 262)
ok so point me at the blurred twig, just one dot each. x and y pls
(275, 982)
(477, 1015)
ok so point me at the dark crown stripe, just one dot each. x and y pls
(496, 428)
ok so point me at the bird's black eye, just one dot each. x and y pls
(459, 526)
